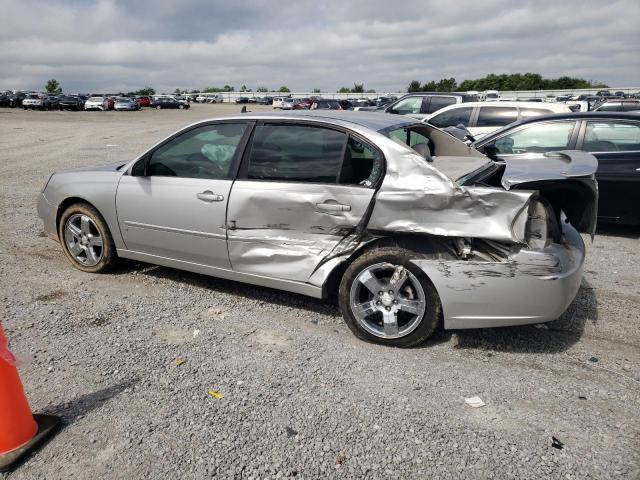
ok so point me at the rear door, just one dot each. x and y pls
(302, 189)
(616, 145)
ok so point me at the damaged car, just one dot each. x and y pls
(407, 226)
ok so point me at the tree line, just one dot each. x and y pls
(502, 82)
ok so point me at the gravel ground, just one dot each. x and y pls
(127, 359)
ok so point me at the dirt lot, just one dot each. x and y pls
(302, 396)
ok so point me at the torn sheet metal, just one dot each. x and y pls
(477, 294)
(303, 225)
(417, 198)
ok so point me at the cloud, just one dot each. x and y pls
(110, 45)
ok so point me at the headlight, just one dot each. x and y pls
(537, 229)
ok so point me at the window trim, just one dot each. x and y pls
(235, 164)
(243, 168)
(572, 138)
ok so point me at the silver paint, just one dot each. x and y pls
(222, 228)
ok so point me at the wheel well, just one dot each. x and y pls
(66, 203)
(424, 245)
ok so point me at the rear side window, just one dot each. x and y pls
(453, 117)
(611, 137)
(362, 164)
(296, 153)
(496, 116)
(437, 103)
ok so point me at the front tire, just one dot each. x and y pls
(385, 298)
(86, 239)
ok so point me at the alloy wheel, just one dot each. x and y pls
(387, 300)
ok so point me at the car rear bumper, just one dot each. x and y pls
(47, 213)
(530, 287)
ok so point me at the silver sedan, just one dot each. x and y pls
(406, 225)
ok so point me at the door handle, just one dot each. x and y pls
(209, 196)
(332, 207)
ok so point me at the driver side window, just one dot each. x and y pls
(204, 152)
(407, 105)
(536, 138)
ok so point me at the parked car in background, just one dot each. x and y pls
(214, 98)
(334, 203)
(330, 104)
(490, 95)
(125, 104)
(5, 99)
(52, 102)
(15, 99)
(166, 102)
(32, 101)
(481, 118)
(302, 104)
(69, 102)
(264, 100)
(419, 105)
(143, 100)
(96, 103)
(613, 138)
(289, 103)
(37, 101)
(278, 102)
(242, 100)
(619, 106)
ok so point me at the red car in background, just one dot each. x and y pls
(144, 101)
(302, 104)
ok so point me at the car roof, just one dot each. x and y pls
(508, 103)
(578, 115)
(372, 120)
(565, 116)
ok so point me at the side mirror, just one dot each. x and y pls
(138, 169)
(490, 151)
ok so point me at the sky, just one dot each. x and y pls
(113, 45)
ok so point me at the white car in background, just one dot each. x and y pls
(490, 95)
(278, 102)
(95, 103)
(482, 118)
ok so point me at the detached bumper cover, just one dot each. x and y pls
(531, 287)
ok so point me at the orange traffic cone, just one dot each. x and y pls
(20, 431)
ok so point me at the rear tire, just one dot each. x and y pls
(86, 239)
(369, 313)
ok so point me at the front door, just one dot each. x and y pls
(302, 189)
(173, 205)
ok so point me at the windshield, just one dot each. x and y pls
(96, 99)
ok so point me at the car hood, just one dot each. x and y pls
(110, 167)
